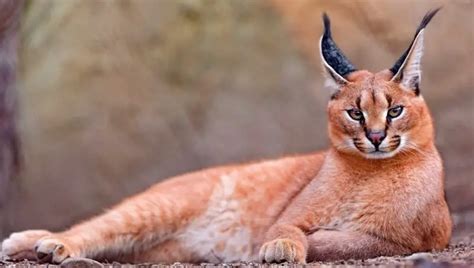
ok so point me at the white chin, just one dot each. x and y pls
(380, 155)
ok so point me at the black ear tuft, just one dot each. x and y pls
(332, 56)
(327, 25)
(424, 22)
(426, 19)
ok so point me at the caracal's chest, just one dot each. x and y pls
(351, 198)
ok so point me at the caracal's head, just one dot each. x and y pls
(376, 115)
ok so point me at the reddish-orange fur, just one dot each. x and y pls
(342, 203)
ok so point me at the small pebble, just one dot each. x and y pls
(81, 263)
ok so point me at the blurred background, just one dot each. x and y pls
(113, 96)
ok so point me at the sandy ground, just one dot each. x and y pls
(457, 255)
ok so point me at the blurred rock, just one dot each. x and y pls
(9, 145)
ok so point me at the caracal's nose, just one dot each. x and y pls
(376, 137)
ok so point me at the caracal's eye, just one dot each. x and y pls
(355, 114)
(395, 112)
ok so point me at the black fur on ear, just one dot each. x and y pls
(403, 59)
(334, 61)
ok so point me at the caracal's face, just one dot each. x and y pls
(377, 115)
(376, 118)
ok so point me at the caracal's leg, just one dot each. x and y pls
(138, 223)
(291, 245)
(325, 245)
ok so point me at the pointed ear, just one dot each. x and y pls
(407, 70)
(335, 64)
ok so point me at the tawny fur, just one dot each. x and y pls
(343, 203)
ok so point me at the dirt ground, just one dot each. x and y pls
(460, 254)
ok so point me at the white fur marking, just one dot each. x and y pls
(411, 67)
(329, 69)
(219, 235)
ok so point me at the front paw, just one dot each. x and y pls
(53, 250)
(282, 250)
(20, 246)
